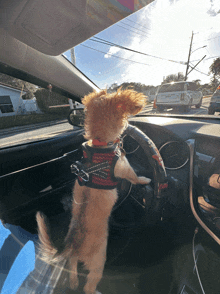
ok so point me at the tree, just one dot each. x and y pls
(197, 82)
(173, 78)
(214, 83)
(45, 98)
(215, 68)
(26, 87)
(132, 85)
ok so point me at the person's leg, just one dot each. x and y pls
(11, 248)
(19, 234)
(38, 280)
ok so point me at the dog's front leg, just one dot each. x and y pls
(123, 170)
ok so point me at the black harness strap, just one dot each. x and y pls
(81, 170)
(96, 168)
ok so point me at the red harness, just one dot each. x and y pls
(98, 165)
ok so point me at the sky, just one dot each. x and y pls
(162, 29)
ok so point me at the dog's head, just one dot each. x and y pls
(107, 114)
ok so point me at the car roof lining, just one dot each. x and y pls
(17, 58)
(68, 22)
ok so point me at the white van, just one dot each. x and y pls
(181, 95)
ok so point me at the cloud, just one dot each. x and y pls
(113, 50)
(214, 9)
(170, 29)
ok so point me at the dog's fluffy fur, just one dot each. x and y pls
(86, 240)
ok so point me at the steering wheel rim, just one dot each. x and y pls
(154, 157)
(154, 211)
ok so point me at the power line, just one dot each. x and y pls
(207, 39)
(136, 23)
(198, 70)
(132, 30)
(212, 57)
(145, 35)
(115, 55)
(100, 40)
(124, 23)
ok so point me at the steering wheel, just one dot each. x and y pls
(153, 211)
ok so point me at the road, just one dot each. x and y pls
(193, 111)
(25, 134)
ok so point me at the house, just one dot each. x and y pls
(11, 102)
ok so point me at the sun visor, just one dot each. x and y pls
(54, 26)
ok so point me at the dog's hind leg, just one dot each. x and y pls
(95, 267)
(73, 275)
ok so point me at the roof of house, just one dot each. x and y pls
(11, 87)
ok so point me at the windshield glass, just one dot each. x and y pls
(172, 88)
(176, 87)
(30, 113)
(154, 46)
(150, 49)
(216, 94)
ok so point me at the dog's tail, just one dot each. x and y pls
(47, 250)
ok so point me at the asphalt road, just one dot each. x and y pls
(25, 134)
(203, 110)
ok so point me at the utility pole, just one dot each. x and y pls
(192, 68)
(73, 57)
(187, 65)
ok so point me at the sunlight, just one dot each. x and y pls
(160, 120)
(170, 29)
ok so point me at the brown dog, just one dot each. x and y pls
(95, 191)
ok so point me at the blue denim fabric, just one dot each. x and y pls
(11, 248)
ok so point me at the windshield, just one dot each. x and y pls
(216, 94)
(150, 49)
(172, 88)
(29, 113)
(154, 46)
(177, 87)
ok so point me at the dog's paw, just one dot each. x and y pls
(144, 180)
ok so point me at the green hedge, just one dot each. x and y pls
(23, 120)
(45, 98)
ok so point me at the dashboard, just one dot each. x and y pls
(174, 138)
(46, 166)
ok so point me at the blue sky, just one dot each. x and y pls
(162, 29)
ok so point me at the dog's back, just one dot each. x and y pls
(86, 240)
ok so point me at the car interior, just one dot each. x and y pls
(163, 237)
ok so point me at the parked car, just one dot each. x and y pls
(178, 95)
(164, 238)
(214, 105)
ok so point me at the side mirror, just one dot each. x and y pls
(76, 117)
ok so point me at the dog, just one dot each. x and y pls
(95, 190)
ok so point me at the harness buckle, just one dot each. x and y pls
(83, 174)
(77, 169)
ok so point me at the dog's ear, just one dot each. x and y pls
(129, 102)
(94, 95)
